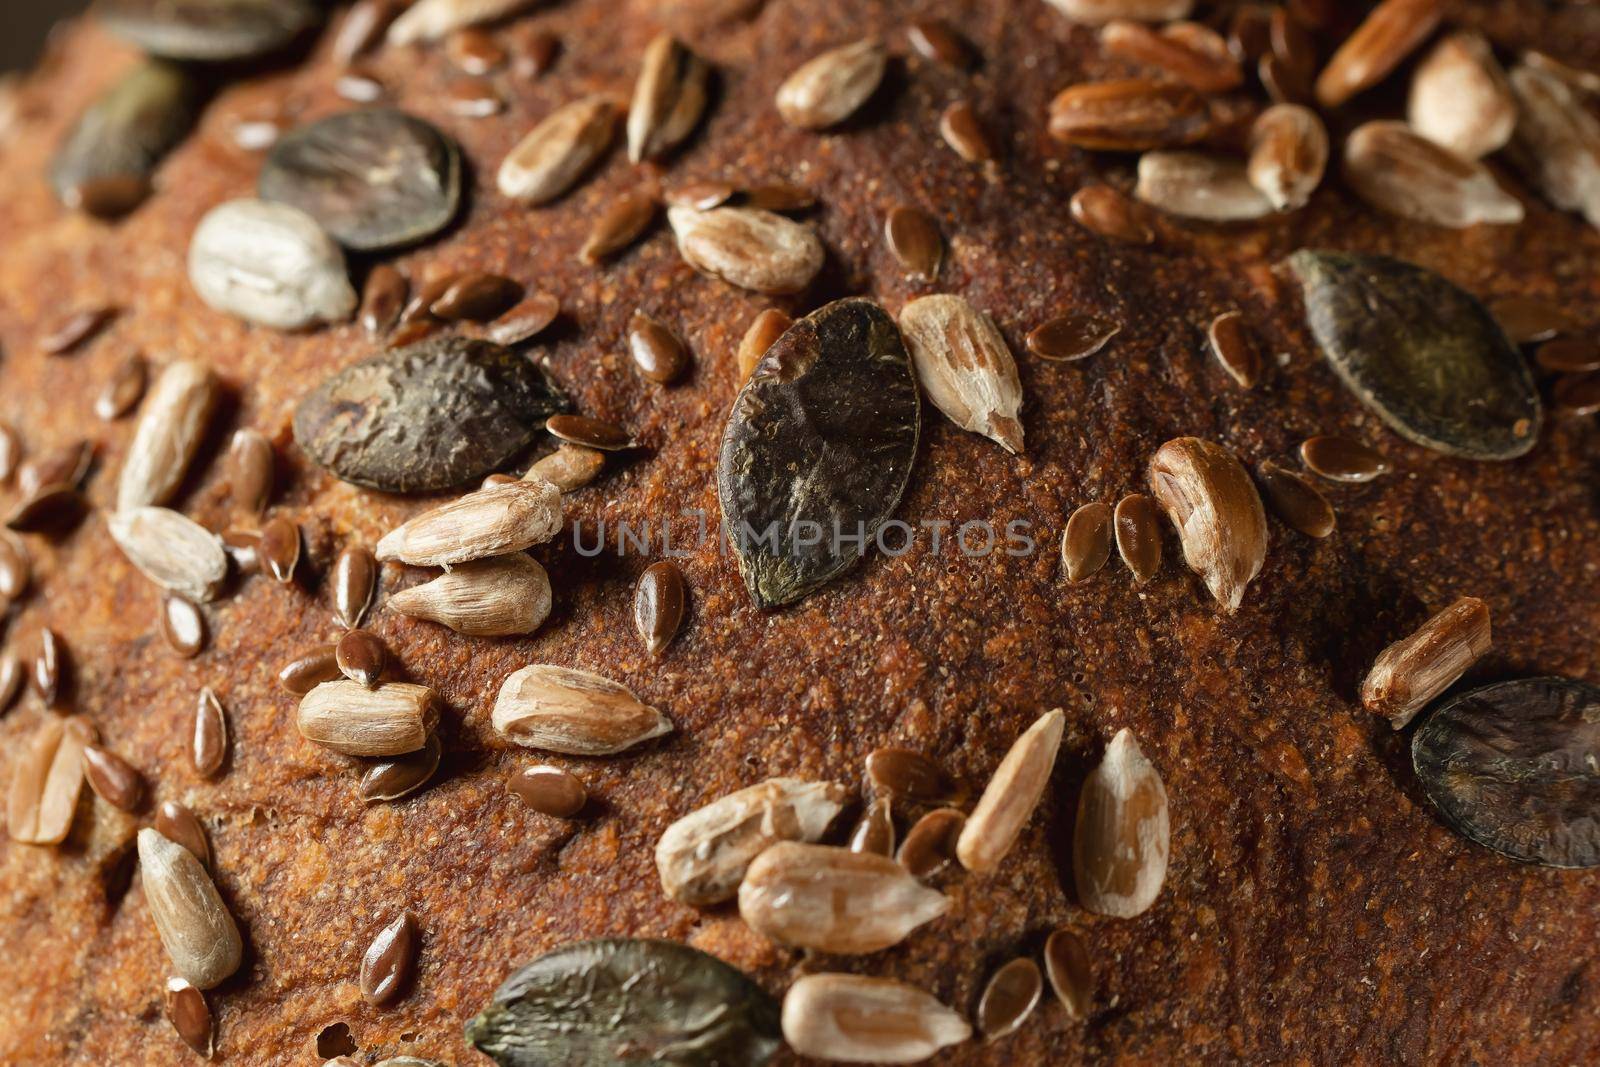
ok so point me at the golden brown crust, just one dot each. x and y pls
(1316, 910)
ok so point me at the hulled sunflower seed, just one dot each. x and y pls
(1107, 212)
(1214, 504)
(304, 673)
(171, 550)
(1188, 52)
(763, 332)
(403, 775)
(569, 467)
(965, 366)
(1011, 796)
(560, 150)
(488, 522)
(1398, 171)
(1235, 351)
(875, 831)
(830, 88)
(1557, 142)
(187, 1012)
(1411, 672)
(834, 900)
(747, 247)
(1086, 542)
(1199, 185)
(913, 237)
(549, 791)
(270, 264)
(124, 389)
(1095, 12)
(1288, 155)
(387, 964)
(112, 778)
(175, 822)
(1390, 32)
(1009, 998)
(433, 20)
(1296, 501)
(668, 98)
(391, 720)
(171, 429)
(208, 744)
(658, 603)
(354, 581)
(46, 782)
(196, 929)
(573, 712)
(621, 224)
(1138, 530)
(852, 1019)
(1460, 98)
(1130, 115)
(497, 597)
(930, 844)
(703, 856)
(1121, 842)
(1066, 964)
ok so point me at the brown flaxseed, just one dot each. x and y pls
(279, 549)
(185, 1005)
(569, 467)
(387, 964)
(16, 568)
(476, 297)
(355, 582)
(309, 670)
(124, 389)
(182, 625)
(1340, 459)
(1107, 212)
(549, 791)
(252, 465)
(533, 51)
(1296, 501)
(52, 509)
(702, 195)
(1137, 521)
(525, 321)
(1577, 394)
(361, 656)
(763, 332)
(112, 778)
(1071, 337)
(905, 775)
(10, 451)
(383, 298)
(658, 353)
(1566, 355)
(76, 330)
(473, 99)
(591, 433)
(658, 605)
(1183, 51)
(1086, 542)
(1526, 319)
(12, 677)
(783, 197)
(623, 221)
(1390, 32)
(1009, 998)
(913, 237)
(208, 746)
(875, 832)
(1066, 963)
(175, 822)
(936, 39)
(930, 844)
(49, 668)
(400, 776)
(1235, 351)
(475, 51)
(67, 465)
(964, 132)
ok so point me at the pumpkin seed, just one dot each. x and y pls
(1512, 767)
(374, 178)
(208, 30)
(667, 100)
(437, 414)
(833, 408)
(403, 775)
(1421, 353)
(609, 1001)
(852, 1019)
(269, 264)
(123, 136)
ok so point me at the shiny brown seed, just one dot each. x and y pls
(657, 351)
(112, 778)
(1138, 529)
(12, 677)
(592, 433)
(420, 308)
(124, 389)
(76, 330)
(359, 86)
(10, 452)
(569, 467)
(658, 604)
(473, 99)
(175, 822)
(1296, 501)
(1389, 33)
(963, 131)
(252, 463)
(354, 580)
(549, 791)
(400, 776)
(1409, 673)
(779, 196)
(187, 1012)
(16, 569)
(1107, 212)
(1130, 115)
(533, 51)
(241, 546)
(913, 237)
(905, 775)
(937, 40)
(621, 224)
(361, 655)
(1526, 319)
(383, 299)
(49, 667)
(1066, 962)
(525, 321)
(1295, 50)
(1569, 355)
(875, 832)
(208, 749)
(1340, 459)
(110, 197)
(182, 625)
(1086, 542)
(475, 52)
(477, 298)
(388, 962)
(1183, 51)
(763, 332)
(305, 672)
(67, 465)
(702, 196)
(1250, 32)
(411, 332)
(1577, 394)
(1009, 998)
(930, 844)
(1072, 337)
(53, 508)
(1231, 344)
(280, 548)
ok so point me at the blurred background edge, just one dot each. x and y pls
(24, 25)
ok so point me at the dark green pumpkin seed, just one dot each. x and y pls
(833, 408)
(374, 179)
(1515, 766)
(438, 414)
(605, 1002)
(104, 165)
(208, 30)
(1421, 353)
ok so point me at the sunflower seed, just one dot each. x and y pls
(589, 433)
(1121, 842)
(525, 321)
(49, 668)
(549, 791)
(964, 132)
(645, 1001)
(1137, 523)
(1296, 501)
(913, 237)
(1421, 353)
(76, 330)
(171, 429)
(834, 900)
(401, 776)
(124, 389)
(1577, 394)
(1214, 504)
(488, 522)
(573, 712)
(875, 832)
(657, 352)
(1566, 355)
(623, 221)
(762, 334)
(112, 778)
(269, 264)
(177, 823)
(936, 39)
(1185, 51)
(1231, 344)
(1410, 673)
(1086, 542)
(905, 775)
(105, 164)
(1288, 155)
(658, 603)
(1397, 171)
(208, 30)
(373, 178)
(1390, 32)
(930, 844)
(1510, 767)
(822, 436)
(498, 597)
(965, 366)
(382, 300)
(1128, 116)
(388, 963)
(198, 933)
(748, 247)
(187, 1012)
(279, 549)
(668, 98)
(1011, 796)
(16, 569)
(853, 1019)
(433, 20)
(390, 720)
(208, 746)
(1107, 212)
(1066, 963)
(704, 856)
(175, 552)
(361, 657)
(362, 28)
(1557, 142)
(1009, 998)
(558, 151)
(1199, 186)
(830, 88)
(1460, 98)
(569, 467)
(46, 782)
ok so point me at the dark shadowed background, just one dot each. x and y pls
(23, 25)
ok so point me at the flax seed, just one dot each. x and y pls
(1107, 212)
(963, 131)
(763, 332)
(280, 549)
(549, 791)
(112, 778)
(400, 776)
(208, 749)
(624, 220)
(187, 1011)
(1066, 962)
(305, 672)
(1296, 501)
(875, 832)
(382, 300)
(124, 389)
(937, 40)
(354, 581)
(182, 625)
(1340, 459)
(76, 330)
(930, 844)
(657, 352)
(49, 668)
(175, 822)
(1009, 998)
(906, 775)
(913, 237)
(1086, 542)
(1235, 351)
(361, 656)
(591, 433)
(1569, 355)
(387, 965)
(658, 605)
(1138, 529)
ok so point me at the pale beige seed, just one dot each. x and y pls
(1398, 171)
(560, 150)
(1460, 98)
(196, 929)
(748, 247)
(1288, 155)
(1212, 501)
(1557, 142)
(1390, 32)
(703, 856)
(558, 709)
(965, 367)
(763, 332)
(496, 597)
(569, 467)
(834, 900)
(848, 1018)
(433, 20)
(1411, 672)
(830, 88)
(1200, 185)
(1086, 542)
(171, 428)
(1011, 796)
(668, 98)
(171, 550)
(46, 778)
(391, 720)
(489, 522)
(1122, 841)
(1096, 12)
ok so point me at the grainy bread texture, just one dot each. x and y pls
(1316, 909)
